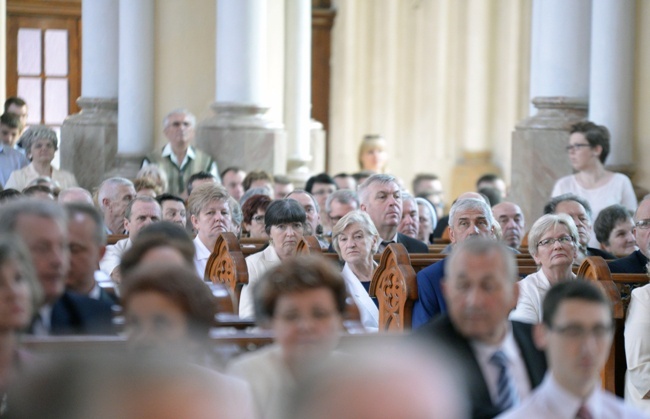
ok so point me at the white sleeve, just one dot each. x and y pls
(528, 309)
(111, 259)
(628, 198)
(246, 304)
(637, 341)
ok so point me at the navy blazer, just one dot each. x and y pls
(442, 332)
(412, 245)
(75, 314)
(634, 263)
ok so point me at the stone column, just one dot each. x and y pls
(136, 69)
(89, 138)
(240, 134)
(611, 95)
(559, 86)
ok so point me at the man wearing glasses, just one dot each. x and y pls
(576, 334)
(635, 263)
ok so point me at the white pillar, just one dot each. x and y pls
(612, 74)
(241, 51)
(136, 76)
(560, 48)
(3, 49)
(99, 48)
(297, 105)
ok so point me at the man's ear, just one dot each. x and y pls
(540, 336)
(363, 207)
(106, 202)
(194, 221)
(452, 237)
(102, 251)
(126, 224)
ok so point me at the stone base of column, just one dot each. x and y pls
(539, 156)
(242, 135)
(473, 165)
(125, 165)
(317, 147)
(89, 141)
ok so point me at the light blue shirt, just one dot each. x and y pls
(10, 160)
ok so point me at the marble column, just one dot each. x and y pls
(240, 133)
(611, 95)
(136, 83)
(89, 138)
(559, 88)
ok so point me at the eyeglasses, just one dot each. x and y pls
(576, 147)
(551, 241)
(258, 219)
(643, 224)
(579, 333)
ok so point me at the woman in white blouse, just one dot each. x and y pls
(356, 239)
(553, 243)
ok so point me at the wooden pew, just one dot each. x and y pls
(114, 238)
(226, 266)
(618, 288)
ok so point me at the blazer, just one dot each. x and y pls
(75, 314)
(412, 245)
(634, 263)
(257, 265)
(441, 331)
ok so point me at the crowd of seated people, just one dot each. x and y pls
(71, 259)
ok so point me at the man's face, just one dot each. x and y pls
(142, 214)
(470, 223)
(280, 191)
(47, 242)
(511, 219)
(384, 204)
(179, 131)
(578, 343)
(233, 181)
(346, 182)
(313, 217)
(410, 224)
(117, 205)
(8, 135)
(480, 295)
(175, 212)
(21, 111)
(85, 253)
(322, 191)
(576, 211)
(643, 234)
(338, 210)
(498, 184)
(433, 187)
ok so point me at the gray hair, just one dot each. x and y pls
(12, 210)
(107, 189)
(354, 217)
(254, 191)
(146, 199)
(551, 206)
(547, 222)
(344, 196)
(380, 178)
(408, 197)
(182, 111)
(236, 214)
(61, 199)
(481, 246)
(468, 204)
(432, 212)
(77, 208)
(38, 132)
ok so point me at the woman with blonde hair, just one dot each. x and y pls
(373, 154)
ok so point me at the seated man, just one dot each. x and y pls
(200, 178)
(140, 212)
(76, 194)
(429, 187)
(113, 196)
(258, 179)
(312, 210)
(511, 219)
(340, 203)
(614, 228)
(345, 181)
(498, 359)
(410, 223)
(10, 159)
(576, 335)
(173, 209)
(490, 180)
(282, 186)
(178, 158)
(232, 179)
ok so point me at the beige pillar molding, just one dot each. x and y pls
(3, 49)
(539, 151)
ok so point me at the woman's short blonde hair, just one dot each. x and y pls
(548, 222)
(371, 142)
(354, 217)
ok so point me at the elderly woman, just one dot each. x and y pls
(428, 220)
(40, 144)
(553, 242)
(254, 210)
(372, 154)
(588, 149)
(302, 301)
(614, 228)
(355, 239)
(284, 222)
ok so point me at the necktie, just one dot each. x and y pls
(583, 413)
(506, 396)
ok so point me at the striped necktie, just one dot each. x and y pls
(506, 396)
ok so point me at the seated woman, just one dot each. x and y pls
(253, 223)
(552, 242)
(284, 222)
(373, 154)
(355, 239)
(302, 301)
(40, 144)
(614, 228)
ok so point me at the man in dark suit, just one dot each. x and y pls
(42, 226)
(380, 196)
(500, 362)
(635, 262)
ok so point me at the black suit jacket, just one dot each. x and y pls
(634, 263)
(412, 245)
(75, 314)
(442, 332)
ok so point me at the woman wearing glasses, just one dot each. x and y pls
(553, 243)
(254, 209)
(588, 148)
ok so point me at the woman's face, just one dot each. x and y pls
(582, 154)
(306, 324)
(621, 239)
(426, 224)
(256, 227)
(213, 219)
(374, 159)
(42, 151)
(285, 238)
(557, 254)
(356, 245)
(15, 304)
(153, 320)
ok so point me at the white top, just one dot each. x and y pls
(367, 308)
(618, 190)
(113, 255)
(257, 264)
(19, 179)
(637, 349)
(201, 257)
(549, 400)
(532, 290)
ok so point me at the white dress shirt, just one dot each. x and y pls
(113, 255)
(201, 257)
(257, 264)
(637, 349)
(532, 290)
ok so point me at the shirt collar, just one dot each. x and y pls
(202, 251)
(561, 401)
(167, 152)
